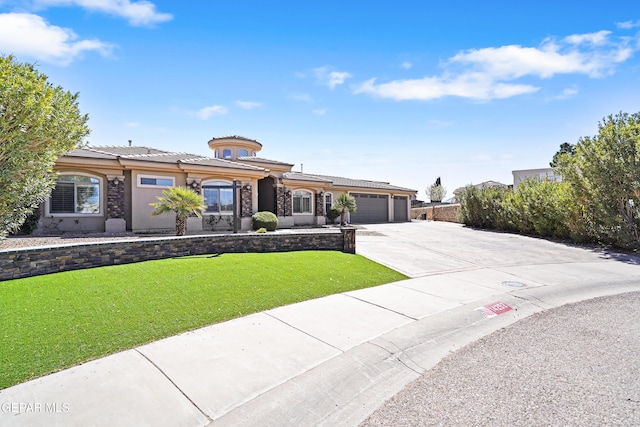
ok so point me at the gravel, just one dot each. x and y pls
(576, 365)
(18, 242)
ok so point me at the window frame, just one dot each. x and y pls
(328, 202)
(100, 184)
(215, 185)
(224, 156)
(140, 177)
(303, 194)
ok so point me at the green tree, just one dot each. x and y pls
(565, 149)
(604, 179)
(183, 202)
(39, 122)
(345, 203)
(436, 192)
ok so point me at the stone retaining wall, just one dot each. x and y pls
(448, 212)
(20, 263)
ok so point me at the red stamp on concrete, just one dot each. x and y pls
(493, 309)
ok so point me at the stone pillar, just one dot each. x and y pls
(348, 239)
(320, 219)
(280, 201)
(246, 205)
(115, 205)
(319, 203)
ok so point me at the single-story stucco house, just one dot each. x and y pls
(110, 188)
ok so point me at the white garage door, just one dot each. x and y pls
(372, 208)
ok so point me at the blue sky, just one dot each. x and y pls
(402, 91)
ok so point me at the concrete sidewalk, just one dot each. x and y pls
(333, 360)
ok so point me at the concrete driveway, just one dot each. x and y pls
(334, 360)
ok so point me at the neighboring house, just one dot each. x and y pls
(543, 174)
(109, 188)
(487, 184)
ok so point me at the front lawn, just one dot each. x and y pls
(59, 320)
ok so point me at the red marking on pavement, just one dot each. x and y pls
(493, 309)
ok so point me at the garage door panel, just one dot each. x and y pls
(400, 211)
(372, 208)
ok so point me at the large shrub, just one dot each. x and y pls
(483, 208)
(264, 219)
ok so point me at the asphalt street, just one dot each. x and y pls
(576, 365)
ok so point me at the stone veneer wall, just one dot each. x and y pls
(448, 213)
(20, 263)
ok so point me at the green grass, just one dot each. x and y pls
(59, 320)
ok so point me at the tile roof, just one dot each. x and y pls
(340, 181)
(154, 155)
(262, 160)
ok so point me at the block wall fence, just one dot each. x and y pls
(447, 213)
(19, 263)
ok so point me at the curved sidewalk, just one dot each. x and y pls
(334, 360)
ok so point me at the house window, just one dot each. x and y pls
(155, 181)
(328, 202)
(217, 199)
(75, 194)
(226, 153)
(243, 153)
(302, 202)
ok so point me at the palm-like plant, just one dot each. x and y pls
(345, 203)
(181, 200)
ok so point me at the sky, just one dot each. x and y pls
(402, 92)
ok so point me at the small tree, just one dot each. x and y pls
(38, 124)
(565, 148)
(436, 192)
(183, 202)
(345, 203)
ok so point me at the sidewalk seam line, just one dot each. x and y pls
(175, 385)
(382, 307)
(304, 332)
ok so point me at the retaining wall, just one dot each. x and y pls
(448, 212)
(28, 262)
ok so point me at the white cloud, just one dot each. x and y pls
(207, 112)
(598, 38)
(627, 25)
(326, 76)
(304, 97)
(490, 73)
(406, 65)
(30, 35)
(133, 124)
(320, 111)
(567, 93)
(142, 13)
(248, 105)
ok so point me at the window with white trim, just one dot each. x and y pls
(243, 153)
(328, 202)
(226, 153)
(218, 200)
(302, 202)
(75, 194)
(156, 181)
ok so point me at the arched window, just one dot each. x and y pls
(302, 202)
(243, 153)
(75, 194)
(226, 153)
(328, 202)
(218, 198)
